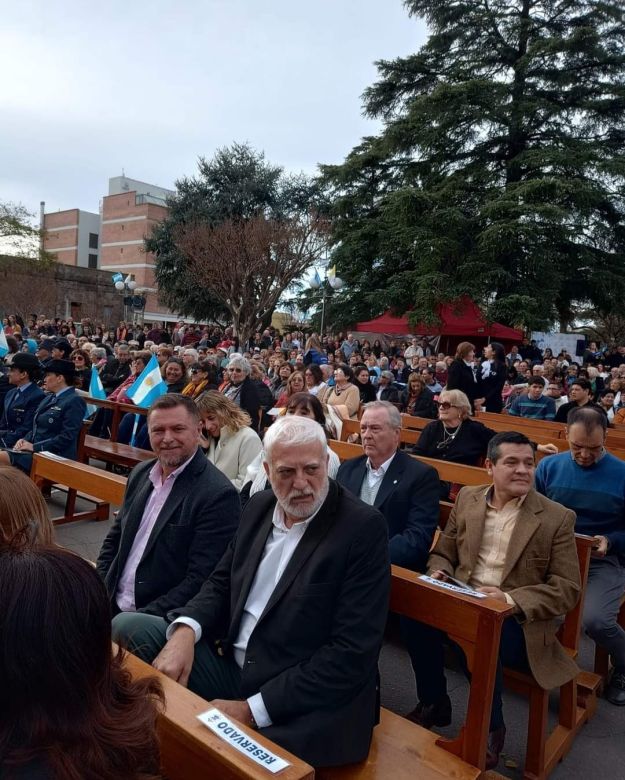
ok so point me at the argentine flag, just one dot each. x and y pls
(96, 390)
(148, 386)
(4, 347)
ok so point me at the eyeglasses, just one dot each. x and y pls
(196, 370)
(446, 405)
(235, 370)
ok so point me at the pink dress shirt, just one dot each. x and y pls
(125, 595)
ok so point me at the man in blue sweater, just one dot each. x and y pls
(534, 404)
(591, 481)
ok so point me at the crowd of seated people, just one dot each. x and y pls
(199, 586)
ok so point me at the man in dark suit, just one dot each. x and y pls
(20, 403)
(57, 420)
(286, 633)
(386, 388)
(403, 489)
(117, 370)
(178, 516)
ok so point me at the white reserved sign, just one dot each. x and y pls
(241, 740)
(454, 588)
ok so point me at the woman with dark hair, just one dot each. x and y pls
(175, 375)
(314, 379)
(494, 374)
(417, 399)
(462, 376)
(343, 393)
(377, 348)
(362, 380)
(200, 379)
(82, 363)
(68, 710)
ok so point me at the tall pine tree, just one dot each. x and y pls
(500, 169)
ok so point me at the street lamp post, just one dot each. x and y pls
(334, 282)
(125, 287)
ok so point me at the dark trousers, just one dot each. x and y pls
(212, 676)
(426, 646)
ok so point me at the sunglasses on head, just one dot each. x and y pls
(444, 405)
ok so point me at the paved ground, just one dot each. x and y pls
(599, 751)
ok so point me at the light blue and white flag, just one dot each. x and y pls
(148, 386)
(4, 347)
(96, 390)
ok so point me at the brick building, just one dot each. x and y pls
(127, 215)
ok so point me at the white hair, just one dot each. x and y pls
(292, 429)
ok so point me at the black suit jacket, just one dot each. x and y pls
(462, 377)
(408, 498)
(313, 652)
(198, 519)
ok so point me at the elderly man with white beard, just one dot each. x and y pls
(285, 634)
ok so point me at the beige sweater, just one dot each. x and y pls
(234, 452)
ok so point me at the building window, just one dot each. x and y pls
(93, 261)
(93, 240)
(75, 310)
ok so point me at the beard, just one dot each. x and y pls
(302, 511)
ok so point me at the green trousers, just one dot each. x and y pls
(212, 676)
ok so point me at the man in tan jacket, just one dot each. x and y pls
(514, 545)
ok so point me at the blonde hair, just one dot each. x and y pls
(22, 508)
(226, 411)
(289, 382)
(459, 399)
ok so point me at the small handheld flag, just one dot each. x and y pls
(148, 386)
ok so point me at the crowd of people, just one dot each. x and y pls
(249, 565)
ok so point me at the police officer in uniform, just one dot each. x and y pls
(57, 421)
(44, 351)
(21, 402)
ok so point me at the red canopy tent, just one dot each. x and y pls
(463, 318)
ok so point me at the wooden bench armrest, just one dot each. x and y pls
(189, 749)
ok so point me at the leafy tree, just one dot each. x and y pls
(18, 235)
(500, 169)
(235, 238)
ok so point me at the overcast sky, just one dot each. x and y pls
(89, 89)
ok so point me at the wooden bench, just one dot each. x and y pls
(400, 749)
(352, 427)
(403, 751)
(112, 452)
(449, 472)
(118, 410)
(99, 486)
(191, 750)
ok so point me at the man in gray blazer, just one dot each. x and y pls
(178, 516)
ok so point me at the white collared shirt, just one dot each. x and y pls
(375, 476)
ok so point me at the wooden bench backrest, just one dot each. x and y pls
(475, 624)
(88, 479)
(450, 472)
(118, 410)
(190, 750)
